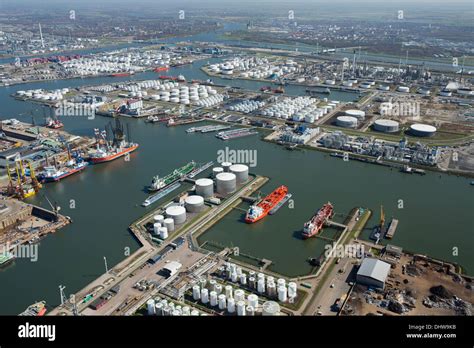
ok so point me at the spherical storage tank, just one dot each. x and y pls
(270, 308)
(177, 213)
(226, 183)
(204, 187)
(346, 121)
(386, 126)
(355, 113)
(194, 204)
(241, 172)
(422, 130)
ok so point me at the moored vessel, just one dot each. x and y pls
(158, 183)
(315, 225)
(261, 209)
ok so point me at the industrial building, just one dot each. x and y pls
(171, 268)
(373, 273)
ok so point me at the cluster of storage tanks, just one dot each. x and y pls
(116, 63)
(175, 92)
(163, 226)
(228, 176)
(233, 301)
(298, 107)
(40, 94)
(225, 297)
(247, 106)
(253, 67)
(164, 307)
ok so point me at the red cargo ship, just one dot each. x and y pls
(259, 211)
(313, 226)
(107, 155)
(161, 68)
(123, 74)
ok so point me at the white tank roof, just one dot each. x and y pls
(419, 127)
(348, 119)
(387, 123)
(355, 113)
(239, 168)
(175, 210)
(225, 176)
(195, 199)
(204, 182)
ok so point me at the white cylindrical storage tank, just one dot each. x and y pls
(422, 130)
(194, 313)
(231, 305)
(250, 311)
(186, 311)
(159, 309)
(281, 282)
(261, 286)
(346, 121)
(252, 300)
(282, 294)
(222, 301)
(270, 308)
(226, 166)
(226, 183)
(156, 228)
(163, 232)
(169, 224)
(194, 203)
(359, 114)
(241, 308)
(196, 292)
(204, 296)
(213, 297)
(176, 313)
(217, 170)
(218, 288)
(234, 277)
(177, 213)
(271, 289)
(166, 311)
(252, 282)
(212, 284)
(386, 126)
(150, 305)
(159, 219)
(202, 282)
(292, 289)
(403, 89)
(243, 279)
(205, 187)
(228, 291)
(239, 295)
(241, 172)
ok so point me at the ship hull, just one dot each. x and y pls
(97, 160)
(65, 175)
(268, 203)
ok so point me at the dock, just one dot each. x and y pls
(153, 198)
(392, 228)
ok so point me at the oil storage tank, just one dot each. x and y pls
(359, 114)
(177, 213)
(217, 170)
(386, 126)
(205, 187)
(270, 308)
(226, 166)
(226, 183)
(241, 172)
(346, 121)
(194, 204)
(169, 224)
(422, 130)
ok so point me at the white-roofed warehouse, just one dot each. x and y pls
(373, 272)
